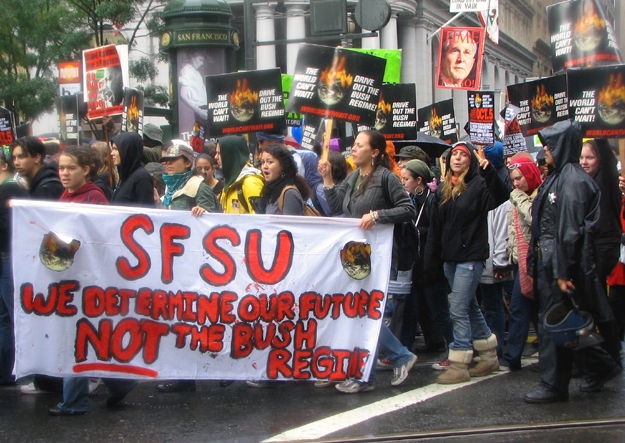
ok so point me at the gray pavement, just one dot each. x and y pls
(238, 413)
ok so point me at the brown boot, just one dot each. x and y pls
(488, 357)
(458, 364)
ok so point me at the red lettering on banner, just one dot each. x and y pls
(152, 333)
(208, 338)
(100, 339)
(278, 363)
(170, 249)
(283, 257)
(375, 304)
(57, 301)
(301, 362)
(208, 274)
(263, 342)
(241, 340)
(132, 327)
(307, 335)
(129, 226)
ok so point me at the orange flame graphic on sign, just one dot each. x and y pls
(435, 120)
(541, 98)
(356, 249)
(383, 106)
(478, 100)
(590, 19)
(613, 91)
(133, 111)
(337, 72)
(243, 94)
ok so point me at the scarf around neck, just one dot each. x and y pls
(175, 182)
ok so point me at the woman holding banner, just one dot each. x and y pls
(361, 195)
(75, 165)
(458, 237)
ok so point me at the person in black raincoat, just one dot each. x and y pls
(561, 259)
(135, 186)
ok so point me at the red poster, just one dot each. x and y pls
(460, 58)
(106, 74)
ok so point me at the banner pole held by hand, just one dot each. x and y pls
(621, 152)
(326, 140)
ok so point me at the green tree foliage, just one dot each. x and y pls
(34, 37)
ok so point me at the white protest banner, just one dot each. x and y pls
(138, 293)
(468, 5)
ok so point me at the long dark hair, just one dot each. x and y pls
(376, 141)
(271, 190)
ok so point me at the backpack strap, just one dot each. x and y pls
(242, 201)
(281, 199)
(387, 196)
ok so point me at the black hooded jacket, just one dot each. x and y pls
(608, 228)
(564, 219)
(135, 186)
(46, 184)
(458, 229)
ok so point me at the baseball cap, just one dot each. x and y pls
(179, 149)
(153, 132)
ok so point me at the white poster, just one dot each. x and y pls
(468, 5)
(114, 292)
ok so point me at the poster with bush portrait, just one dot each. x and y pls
(597, 100)
(439, 120)
(460, 58)
(337, 83)
(105, 75)
(542, 103)
(580, 35)
(244, 102)
(132, 118)
(481, 117)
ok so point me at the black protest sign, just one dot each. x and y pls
(132, 118)
(311, 131)
(581, 36)
(597, 100)
(439, 120)
(396, 116)
(513, 140)
(542, 103)
(7, 130)
(245, 102)
(481, 117)
(67, 107)
(337, 83)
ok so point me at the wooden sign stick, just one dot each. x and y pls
(326, 140)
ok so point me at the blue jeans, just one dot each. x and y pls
(468, 321)
(494, 314)
(76, 392)
(7, 342)
(521, 309)
(391, 348)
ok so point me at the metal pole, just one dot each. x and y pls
(250, 34)
(435, 33)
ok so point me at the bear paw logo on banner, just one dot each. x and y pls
(612, 101)
(57, 254)
(542, 105)
(334, 82)
(356, 259)
(242, 101)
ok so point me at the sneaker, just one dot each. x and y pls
(31, 389)
(353, 386)
(257, 384)
(441, 365)
(93, 384)
(384, 364)
(324, 383)
(400, 374)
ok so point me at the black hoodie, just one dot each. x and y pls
(564, 218)
(459, 228)
(46, 184)
(135, 186)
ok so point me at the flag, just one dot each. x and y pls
(490, 20)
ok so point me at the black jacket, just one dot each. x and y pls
(135, 186)
(424, 206)
(459, 228)
(564, 218)
(8, 190)
(46, 184)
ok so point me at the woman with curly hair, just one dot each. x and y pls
(285, 191)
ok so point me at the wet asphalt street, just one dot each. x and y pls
(491, 410)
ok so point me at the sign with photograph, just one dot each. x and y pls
(337, 83)
(481, 117)
(157, 294)
(541, 103)
(597, 100)
(396, 116)
(460, 58)
(439, 120)
(513, 140)
(69, 128)
(580, 35)
(105, 75)
(243, 102)
(132, 118)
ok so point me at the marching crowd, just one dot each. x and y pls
(467, 230)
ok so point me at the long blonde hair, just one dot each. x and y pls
(103, 149)
(449, 190)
